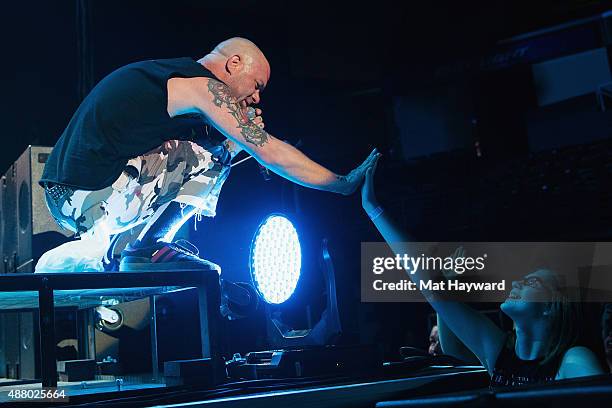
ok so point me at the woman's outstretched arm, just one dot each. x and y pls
(476, 331)
(451, 344)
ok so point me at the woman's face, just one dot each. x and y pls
(530, 296)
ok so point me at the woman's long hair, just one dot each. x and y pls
(566, 315)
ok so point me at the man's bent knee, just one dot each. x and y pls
(78, 210)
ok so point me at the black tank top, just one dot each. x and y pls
(123, 117)
(510, 370)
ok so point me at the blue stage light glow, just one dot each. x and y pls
(276, 259)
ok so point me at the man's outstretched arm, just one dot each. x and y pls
(212, 98)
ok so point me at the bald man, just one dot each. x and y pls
(139, 150)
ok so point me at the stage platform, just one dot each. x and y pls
(46, 292)
(79, 299)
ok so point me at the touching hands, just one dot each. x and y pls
(368, 196)
(353, 180)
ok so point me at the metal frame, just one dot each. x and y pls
(206, 283)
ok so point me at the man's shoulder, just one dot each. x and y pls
(188, 85)
(162, 61)
(186, 64)
(145, 72)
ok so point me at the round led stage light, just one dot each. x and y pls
(276, 259)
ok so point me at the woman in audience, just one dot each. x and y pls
(541, 348)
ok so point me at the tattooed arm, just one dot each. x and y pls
(232, 147)
(212, 98)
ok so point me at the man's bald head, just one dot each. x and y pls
(241, 65)
(238, 45)
(243, 48)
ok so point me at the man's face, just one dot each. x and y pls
(247, 80)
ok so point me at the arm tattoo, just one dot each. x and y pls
(231, 147)
(251, 132)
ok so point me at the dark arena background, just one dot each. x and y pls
(494, 120)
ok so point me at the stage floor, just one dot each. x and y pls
(103, 384)
(342, 394)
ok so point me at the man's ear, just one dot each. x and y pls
(233, 64)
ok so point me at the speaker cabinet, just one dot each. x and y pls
(9, 224)
(37, 231)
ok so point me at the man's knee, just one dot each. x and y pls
(78, 210)
(55, 197)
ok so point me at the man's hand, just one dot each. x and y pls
(351, 182)
(368, 196)
(254, 115)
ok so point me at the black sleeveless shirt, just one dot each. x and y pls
(510, 370)
(124, 116)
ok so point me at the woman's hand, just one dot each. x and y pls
(368, 196)
(451, 273)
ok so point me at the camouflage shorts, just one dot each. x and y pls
(176, 171)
